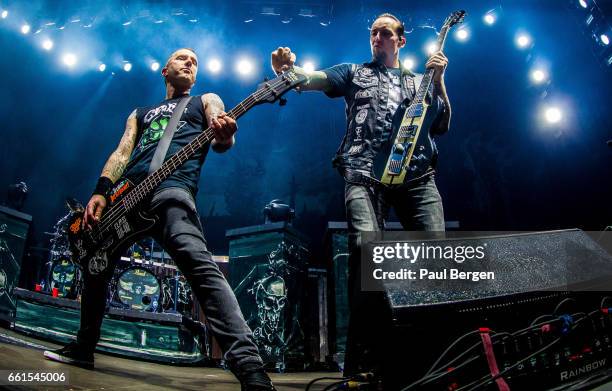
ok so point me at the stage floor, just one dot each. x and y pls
(114, 373)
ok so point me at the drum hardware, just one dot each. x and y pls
(59, 271)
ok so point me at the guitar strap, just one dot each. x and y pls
(162, 146)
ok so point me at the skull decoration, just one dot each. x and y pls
(271, 297)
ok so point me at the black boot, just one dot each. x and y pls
(73, 354)
(253, 377)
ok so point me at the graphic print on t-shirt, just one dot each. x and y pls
(155, 123)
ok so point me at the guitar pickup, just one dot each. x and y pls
(408, 131)
(397, 157)
(415, 111)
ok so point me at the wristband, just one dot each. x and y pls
(103, 187)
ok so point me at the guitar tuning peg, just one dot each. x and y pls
(282, 101)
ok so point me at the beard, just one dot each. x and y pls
(379, 56)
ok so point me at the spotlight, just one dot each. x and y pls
(25, 29)
(154, 66)
(308, 66)
(489, 18)
(69, 60)
(583, 3)
(47, 44)
(431, 48)
(102, 67)
(244, 67)
(553, 115)
(127, 66)
(523, 41)
(462, 34)
(604, 39)
(538, 76)
(214, 65)
(4, 14)
(409, 63)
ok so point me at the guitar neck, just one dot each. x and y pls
(428, 76)
(145, 187)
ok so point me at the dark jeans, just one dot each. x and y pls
(180, 233)
(419, 208)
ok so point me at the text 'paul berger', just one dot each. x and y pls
(410, 253)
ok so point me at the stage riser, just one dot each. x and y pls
(130, 338)
(271, 297)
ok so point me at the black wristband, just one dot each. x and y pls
(103, 186)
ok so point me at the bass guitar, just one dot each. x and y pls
(124, 220)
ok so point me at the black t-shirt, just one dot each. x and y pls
(152, 122)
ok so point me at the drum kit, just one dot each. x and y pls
(145, 279)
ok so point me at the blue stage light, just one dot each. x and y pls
(604, 39)
(214, 65)
(553, 114)
(25, 29)
(244, 67)
(69, 60)
(47, 44)
(539, 76)
(583, 3)
(489, 18)
(462, 34)
(155, 66)
(409, 63)
(523, 40)
(4, 14)
(127, 66)
(431, 48)
(102, 67)
(308, 66)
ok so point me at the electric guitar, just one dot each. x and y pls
(124, 219)
(409, 151)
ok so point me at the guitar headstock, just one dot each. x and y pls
(454, 18)
(272, 90)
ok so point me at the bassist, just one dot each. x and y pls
(178, 226)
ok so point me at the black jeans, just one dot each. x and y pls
(179, 232)
(419, 208)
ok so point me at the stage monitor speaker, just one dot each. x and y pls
(14, 228)
(414, 327)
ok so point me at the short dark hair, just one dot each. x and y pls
(400, 29)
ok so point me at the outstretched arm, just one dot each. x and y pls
(283, 59)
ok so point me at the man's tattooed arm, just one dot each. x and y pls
(213, 106)
(116, 163)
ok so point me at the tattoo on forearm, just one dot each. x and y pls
(214, 105)
(114, 167)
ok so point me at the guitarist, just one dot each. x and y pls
(372, 92)
(178, 228)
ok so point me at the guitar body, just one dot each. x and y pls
(116, 230)
(410, 149)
